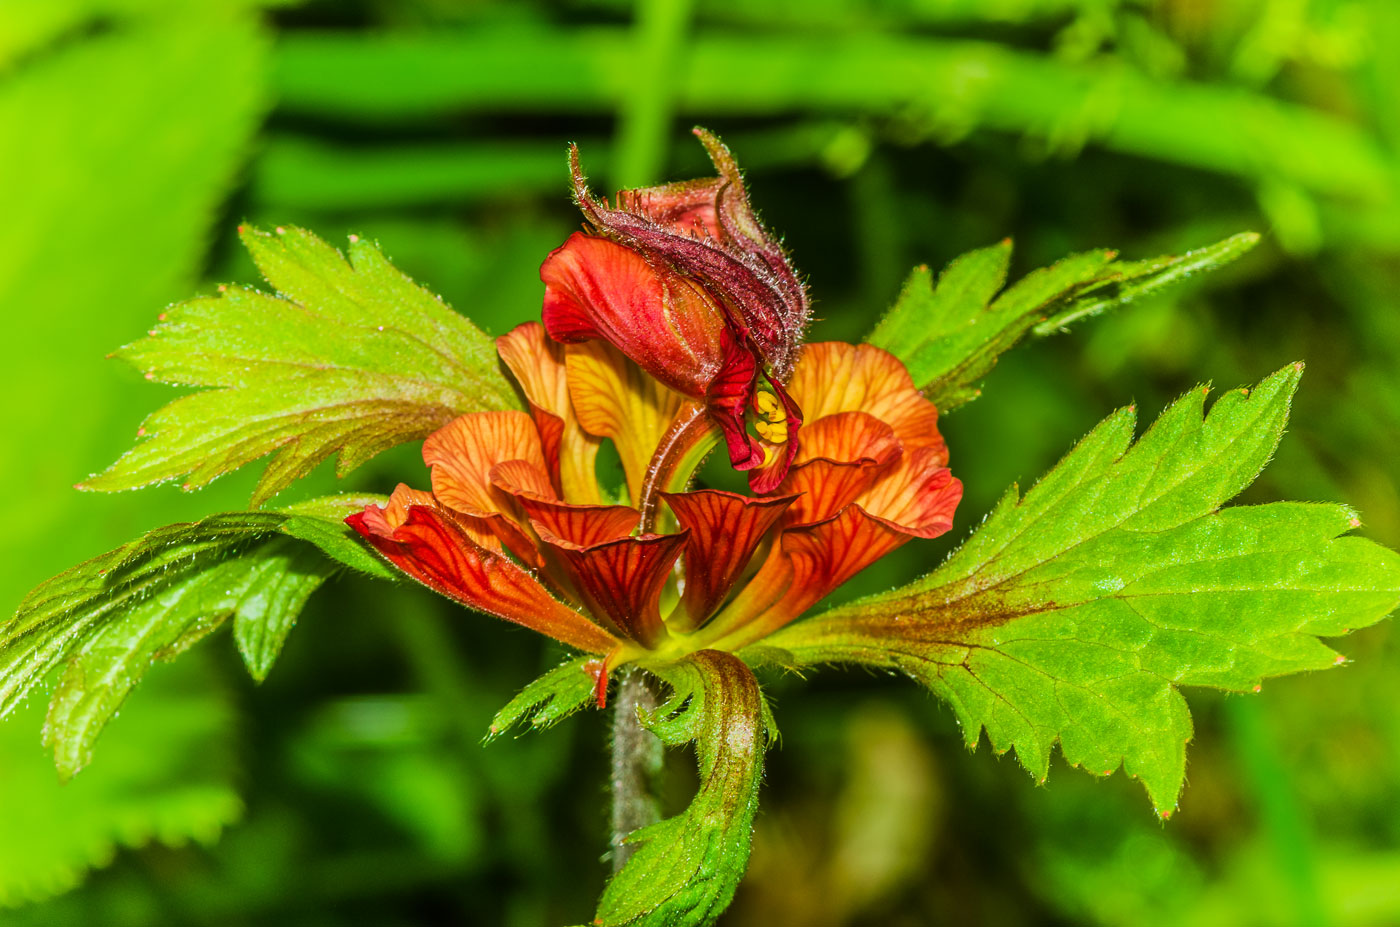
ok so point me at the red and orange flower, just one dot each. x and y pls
(674, 324)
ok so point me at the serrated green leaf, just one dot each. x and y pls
(350, 360)
(106, 621)
(949, 335)
(686, 869)
(1074, 614)
(549, 699)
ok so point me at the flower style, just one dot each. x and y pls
(516, 524)
(686, 282)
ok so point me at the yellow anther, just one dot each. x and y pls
(767, 405)
(772, 432)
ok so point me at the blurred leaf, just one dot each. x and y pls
(352, 359)
(118, 127)
(686, 869)
(950, 335)
(167, 775)
(109, 619)
(1074, 614)
(549, 699)
(943, 83)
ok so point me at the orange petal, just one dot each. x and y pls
(724, 529)
(520, 477)
(432, 548)
(918, 494)
(463, 453)
(833, 377)
(615, 399)
(622, 579)
(396, 512)
(841, 456)
(537, 363)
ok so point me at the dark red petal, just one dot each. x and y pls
(724, 529)
(728, 398)
(431, 548)
(811, 561)
(581, 525)
(622, 579)
(778, 458)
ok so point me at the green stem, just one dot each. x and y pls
(644, 127)
(636, 762)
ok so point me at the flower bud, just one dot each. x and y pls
(685, 281)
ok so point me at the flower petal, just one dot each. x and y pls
(432, 548)
(613, 398)
(599, 289)
(842, 456)
(622, 579)
(807, 563)
(463, 452)
(833, 377)
(581, 525)
(723, 531)
(537, 363)
(917, 495)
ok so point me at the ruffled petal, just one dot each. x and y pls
(537, 363)
(833, 377)
(723, 531)
(622, 579)
(581, 525)
(463, 453)
(429, 546)
(842, 456)
(915, 497)
(918, 495)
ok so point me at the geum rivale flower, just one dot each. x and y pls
(516, 524)
(687, 282)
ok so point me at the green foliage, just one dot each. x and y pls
(548, 700)
(107, 620)
(1075, 613)
(950, 335)
(687, 867)
(168, 776)
(352, 359)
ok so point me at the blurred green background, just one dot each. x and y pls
(351, 787)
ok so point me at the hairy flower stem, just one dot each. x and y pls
(636, 761)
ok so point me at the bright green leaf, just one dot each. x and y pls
(106, 621)
(549, 699)
(1074, 614)
(351, 359)
(687, 867)
(950, 335)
